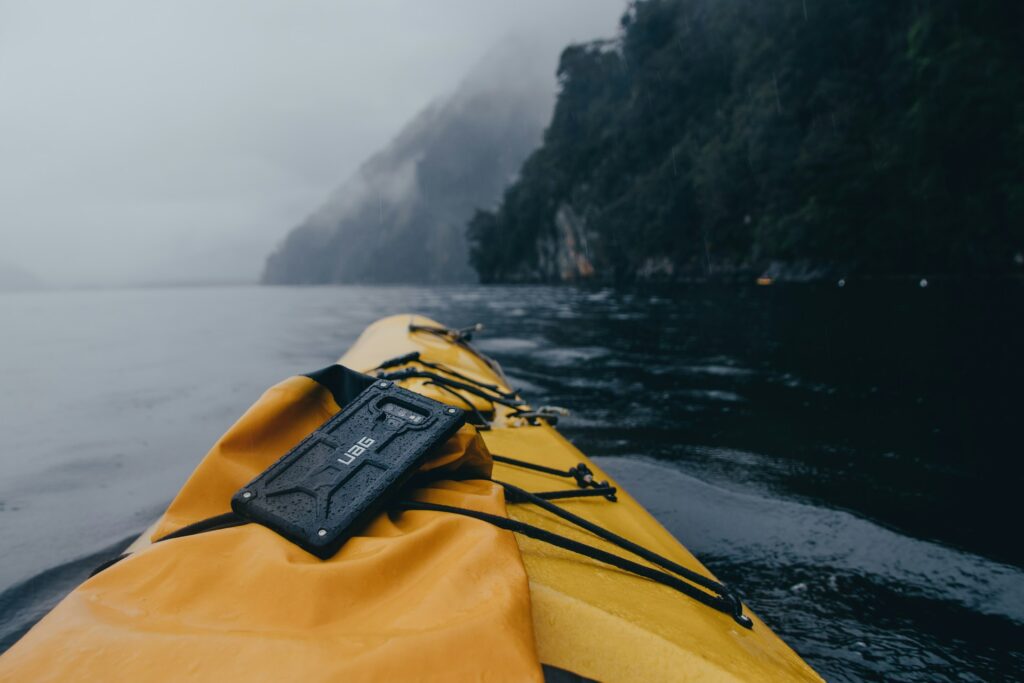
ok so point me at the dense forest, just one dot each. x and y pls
(801, 138)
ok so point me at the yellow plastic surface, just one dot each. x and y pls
(589, 618)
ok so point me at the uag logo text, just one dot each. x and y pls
(355, 450)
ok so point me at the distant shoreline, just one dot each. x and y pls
(914, 279)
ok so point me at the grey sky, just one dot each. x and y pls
(171, 141)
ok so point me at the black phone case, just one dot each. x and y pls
(325, 489)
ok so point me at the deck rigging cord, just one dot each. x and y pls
(583, 475)
(414, 357)
(481, 422)
(607, 492)
(683, 580)
(460, 337)
(458, 334)
(471, 387)
(707, 591)
(509, 399)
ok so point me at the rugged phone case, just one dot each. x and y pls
(323, 490)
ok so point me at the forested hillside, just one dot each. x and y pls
(798, 137)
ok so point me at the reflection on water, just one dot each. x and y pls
(845, 457)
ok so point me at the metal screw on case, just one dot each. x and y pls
(322, 532)
(383, 385)
(451, 411)
(247, 494)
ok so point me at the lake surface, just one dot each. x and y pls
(850, 459)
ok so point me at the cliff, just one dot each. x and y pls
(721, 137)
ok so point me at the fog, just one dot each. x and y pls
(179, 142)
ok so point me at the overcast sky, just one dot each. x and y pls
(179, 141)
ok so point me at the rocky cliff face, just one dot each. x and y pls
(402, 216)
(750, 138)
(562, 254)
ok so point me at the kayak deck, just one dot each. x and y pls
(589, 618)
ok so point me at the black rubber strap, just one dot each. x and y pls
(530, 465)
(455, 373)
(721, 599)
(457, 335)
(109, 563)
(723, 603)
(518, 494)
(461, 338)
(224, 521)
(602, 491)
(409, 373)
(414, 357)
(483, 423)
(581, 473)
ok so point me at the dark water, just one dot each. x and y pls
(850, 458)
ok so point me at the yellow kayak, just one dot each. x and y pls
(419, 594)
(590, 619)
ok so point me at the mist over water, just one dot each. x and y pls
(180, 142)
(845, 458)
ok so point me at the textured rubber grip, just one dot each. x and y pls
(329, 486)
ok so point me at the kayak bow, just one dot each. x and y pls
(589, 586)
